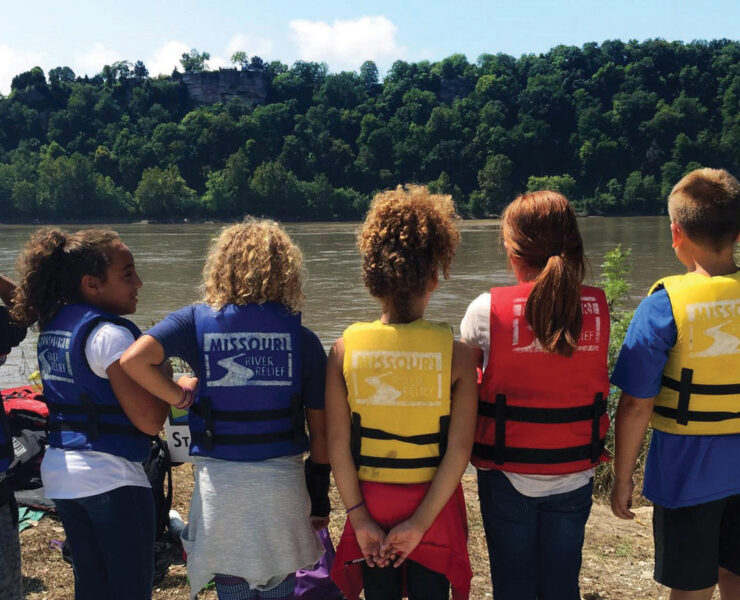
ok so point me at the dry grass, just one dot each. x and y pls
(617, 557)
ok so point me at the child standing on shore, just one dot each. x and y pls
(10, 562)
(259, 377)
(78, 287)
(400, 396)
(679, 371)
(542, 412)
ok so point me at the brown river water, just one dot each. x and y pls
(169, 259)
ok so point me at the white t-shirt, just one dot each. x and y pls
(69, 474)
(475, 329)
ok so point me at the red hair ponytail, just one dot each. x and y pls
(540, 230)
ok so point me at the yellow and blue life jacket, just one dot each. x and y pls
(398, 380)
(700, 394)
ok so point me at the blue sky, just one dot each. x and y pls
(86, 34)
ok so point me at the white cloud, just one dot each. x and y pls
(92, 62)
(347, 44)
(253, 46)
(166, 58)
(13, 62)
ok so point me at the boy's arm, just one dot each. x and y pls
(338, 425)
(405, 536)
(631, 423)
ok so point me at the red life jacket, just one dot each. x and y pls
(540, 412)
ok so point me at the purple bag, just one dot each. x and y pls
(316, 583)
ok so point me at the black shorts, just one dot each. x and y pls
(692, 542)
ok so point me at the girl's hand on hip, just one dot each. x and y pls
(401, 541)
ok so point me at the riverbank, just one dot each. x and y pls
(617, 556)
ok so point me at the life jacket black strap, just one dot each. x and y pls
(246, 439)
(81, 409)
(444, 434)
(500, 453)
(382, 462)
(700, 416)
(357, 432)
(93, 427)
(419, 440)
(598, 409)
(685, 388)
(208, 438)
(244, 415)
(104, 428)
(541, 456)
(529, 414)
(728, 389)
(355, 438)
(206, 413)
(500, 449)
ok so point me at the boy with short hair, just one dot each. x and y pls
(679, 370)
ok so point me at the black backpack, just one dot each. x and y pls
(158, 468)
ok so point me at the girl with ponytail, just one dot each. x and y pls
(542, 345)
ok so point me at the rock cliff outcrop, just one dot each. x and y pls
(209, 87)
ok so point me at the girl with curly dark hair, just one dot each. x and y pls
(400, 402)
(77, 287)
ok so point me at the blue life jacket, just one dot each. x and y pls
(84, 413)
(6, 442)
(248, 404)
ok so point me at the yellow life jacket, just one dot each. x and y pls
(701, 380)
(398, 379)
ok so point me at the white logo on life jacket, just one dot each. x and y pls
(722, 343)
(384, 392)
(54, 360)
(416, 377)
(704, 328)
(588, 340)
(248, 358)
(236, 375)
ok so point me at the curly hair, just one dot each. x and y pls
(254, 261)
(50, 269)
(408, 235)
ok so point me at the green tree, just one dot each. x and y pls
(277, 192)
(240, 59)
(565, 184)
(194, 61)
(494, 181)
(163, 194)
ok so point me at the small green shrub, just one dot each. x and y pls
(614, 281)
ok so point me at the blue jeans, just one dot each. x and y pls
(534, 544)
(111, 536)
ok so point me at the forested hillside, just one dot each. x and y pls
(611, 125)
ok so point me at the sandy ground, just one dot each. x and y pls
(617, 557)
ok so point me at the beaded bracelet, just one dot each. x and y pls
(351, 508)
(186, 400)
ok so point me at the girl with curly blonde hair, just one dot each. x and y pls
(401, 400)
(259, 376)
